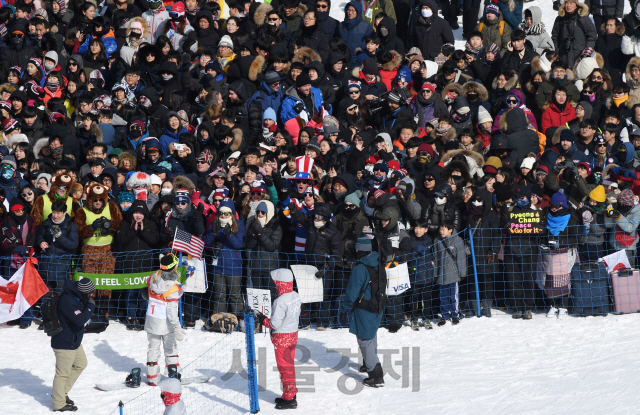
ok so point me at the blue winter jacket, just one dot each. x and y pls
(169, 137)
(109, 41)
(354, 31)
(364, 324)
(291, 99)
(73, 315)
(229, 255)
(513, 18)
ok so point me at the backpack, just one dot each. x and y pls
(50, 318)
(247, 104)
(378, 283)
(500, 25)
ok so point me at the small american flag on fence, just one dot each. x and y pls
(189, 244)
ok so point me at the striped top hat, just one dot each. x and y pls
(304, 165)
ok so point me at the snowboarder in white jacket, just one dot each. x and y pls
(163, 323)
(283, 323)
(171, 390)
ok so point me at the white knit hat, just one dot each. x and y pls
(528, 163)
(226, 41)
(483, 115)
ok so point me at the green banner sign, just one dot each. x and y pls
(121, 281)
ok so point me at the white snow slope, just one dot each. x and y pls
(482, 366)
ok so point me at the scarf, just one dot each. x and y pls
(192, 12)
(458, 118)
(535, 29)
(441, 131)
(472, 50)
(557, 224)
(56, 153)
(350, 24)
(620, 101)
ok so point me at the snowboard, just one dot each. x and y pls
(107, 387)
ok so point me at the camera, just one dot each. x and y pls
(105, 223)
(178, 147)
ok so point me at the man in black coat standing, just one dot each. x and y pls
(17, 52)
(75, 308)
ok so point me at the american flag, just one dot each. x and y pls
(189, 244)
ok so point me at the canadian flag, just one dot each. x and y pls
(21, 291)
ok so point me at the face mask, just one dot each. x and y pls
(369, 169)
(125, 209)
(144, 101)
(135, 134)
(165, 191)
(262, 221)
(426, 13)
(49, 66)
(167, 77)
(472, 96)
(536, 84)
(384, 32)
(141, 194)
(135, 35)
(319, 223)
(424, 159)
(441, 200)
(17, 40)
(522, 203)
(225, 221)
(56, 152)
(590, 98)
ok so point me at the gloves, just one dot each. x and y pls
(256, 227)
(261, 317)
(616, 170)
(630, 174)
(343, 319)
(96, 224)
(197, 213)
(91, 301)
(322, 271)
(326, 106)
(227, 230)
(558, 167)
(178, 333)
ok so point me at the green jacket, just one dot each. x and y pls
(379, 6)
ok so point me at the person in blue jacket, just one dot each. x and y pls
(364, 323)
(154, 156)
(102, 31)
(353, 30)
(511, 12)
(302, 97)
(226, 237)
(75, 308)
(172, 131)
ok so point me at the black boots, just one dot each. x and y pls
(375, 379)
(284, 404)
(133, 379)
(67, 408)
(172, 370)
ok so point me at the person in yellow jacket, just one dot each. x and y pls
(97, 223)
(61, 184)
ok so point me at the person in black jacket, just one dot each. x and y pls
(264, 234)
(75, 308)
(609, 45)
(17, 52)
(137, 236)
(430, 31)
(323, 249)
(58, 240)
(601, 10)
(388, 39)
(573, 31)
(313, 36)
(520, 56)
(442, 210)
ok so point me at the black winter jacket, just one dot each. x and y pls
(571, 34)
(74, 314)
(324, 243)
(65, 244)
(263, 244)
(429, 35)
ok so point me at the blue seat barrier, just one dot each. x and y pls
(484, 270)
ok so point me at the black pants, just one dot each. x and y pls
(393, 313)
(421, 302)
(520, 276)
(470, 16)
(450, 10)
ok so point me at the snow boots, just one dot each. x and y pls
(284, 404)
(67, 408)
(375, 379)
(173, 372)
(133, 379)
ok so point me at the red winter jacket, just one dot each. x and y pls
(552, 117)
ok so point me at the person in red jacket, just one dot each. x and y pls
(559, 111)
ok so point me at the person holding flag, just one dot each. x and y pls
(163, 322)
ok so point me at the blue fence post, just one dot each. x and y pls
(475, 273)
(180, 299)
(121, 407)
(251, 362)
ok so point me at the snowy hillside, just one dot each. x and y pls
(482, 366)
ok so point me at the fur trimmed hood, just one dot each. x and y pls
(449, 135)
(476, 157)
(146, 32)
(452, 87)
(183, 182)
(255, 68)
(633, 100)
(511, 82)
(478, 87)
(128, 156)
(583, 9)
(305, 54)
(607, 169)
(573, 104)
(355, 72)
(39, 145)
(555, 138)
(17, 138)
(394, 63)
(261, 14)
(632, 62)
(237, 139)
(619, 29)
(95, 130)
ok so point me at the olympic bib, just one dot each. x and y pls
(157, 308)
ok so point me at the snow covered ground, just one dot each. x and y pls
(482, 366)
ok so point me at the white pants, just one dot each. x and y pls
(168, 342)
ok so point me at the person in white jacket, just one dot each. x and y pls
(535, 30)
(285, 316)
(163, 323)
(171, 390)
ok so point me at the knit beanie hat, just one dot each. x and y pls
(353, 198)
(182, 196)
(370, 67)
(125, 196)
(494, 161)
(86, 286)
(626, 198)
(226, 41)
(528, 163)
(363, 243)
(559, 199)
(492, 8)
(303, 79)
(598, 194)
(483, 115)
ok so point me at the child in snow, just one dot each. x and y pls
(451, 267)
(283, 323)
(163, 324)
(171, 390)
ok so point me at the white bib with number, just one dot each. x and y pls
(157, 308)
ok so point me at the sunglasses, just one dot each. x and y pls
(588, 92)
(261, 213)
(597, 77)
(225, 214)
(256, 193)
(303, 182)
(601, 145)
(25, 194)
(308, 194)
(73, 64)
(354, 92)
(350, 207)
(217, 200)
(321, 6)
(202, 162)
(426, 91)
(273, 19)
(556, 206)
(382, 170)
(181, 204)
(512, 101)
(423, 153)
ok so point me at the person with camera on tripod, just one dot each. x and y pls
(399, 110)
